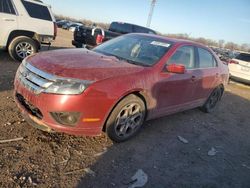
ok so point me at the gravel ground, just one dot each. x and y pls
(188, 149)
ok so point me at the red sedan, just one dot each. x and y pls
(118, 85)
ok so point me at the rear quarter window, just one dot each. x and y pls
(37, 11)
(206, 59)
(6, 6)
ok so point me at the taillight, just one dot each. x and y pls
(99, 39)
(55, 30)
(233, 62)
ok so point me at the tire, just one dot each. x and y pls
(21, 47)
(126, 119)
(212, 100)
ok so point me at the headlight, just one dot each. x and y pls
(68, 86)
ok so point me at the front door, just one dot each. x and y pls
(175, 92)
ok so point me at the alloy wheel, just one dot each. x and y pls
(128, 120)
(214, 98)
(24, 49)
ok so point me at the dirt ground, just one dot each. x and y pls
(59, 160)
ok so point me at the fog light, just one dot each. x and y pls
(66, 118)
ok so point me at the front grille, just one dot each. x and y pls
(29, 107)
(34, 79)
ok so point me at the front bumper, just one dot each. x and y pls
(46, 103)
(31, 120)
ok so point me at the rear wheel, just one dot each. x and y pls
(211, 102)
(126, 119)
(21, 47)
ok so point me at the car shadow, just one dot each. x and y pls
(169, 162)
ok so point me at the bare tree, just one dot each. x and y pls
(221, 43)
(244, 47)
(232, 46)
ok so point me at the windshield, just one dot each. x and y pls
(135, 49)
(243, 57)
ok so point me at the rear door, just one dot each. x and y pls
(208, 76)
(8, 20)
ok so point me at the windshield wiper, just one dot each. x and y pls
(124, 59)
(111, 55)
(137, 63)
(130, 61)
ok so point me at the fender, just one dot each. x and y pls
(138, 92)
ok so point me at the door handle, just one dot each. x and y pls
(8, 19)
(193, 78)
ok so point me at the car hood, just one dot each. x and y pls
(81, 64)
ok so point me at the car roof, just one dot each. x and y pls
(173, 40)
(133, 25)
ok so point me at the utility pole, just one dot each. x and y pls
(151, 12)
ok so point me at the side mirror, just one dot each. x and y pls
(174, 68)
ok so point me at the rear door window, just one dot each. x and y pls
(139, 29)
(121, 27)
(37, 11)
(206, 59)
(184, 55)
(6, 6)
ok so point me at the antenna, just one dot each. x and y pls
(151, 12)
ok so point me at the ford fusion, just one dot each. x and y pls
(118, 85)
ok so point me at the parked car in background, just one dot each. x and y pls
(25, 25)
(67, 26)
(118, 85)
(239, 67)
(60, 23)
(73, 27)
(92, 36)
(225, 55)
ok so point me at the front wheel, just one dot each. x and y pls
(211, 102)
(21, 47)
(126, 119)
